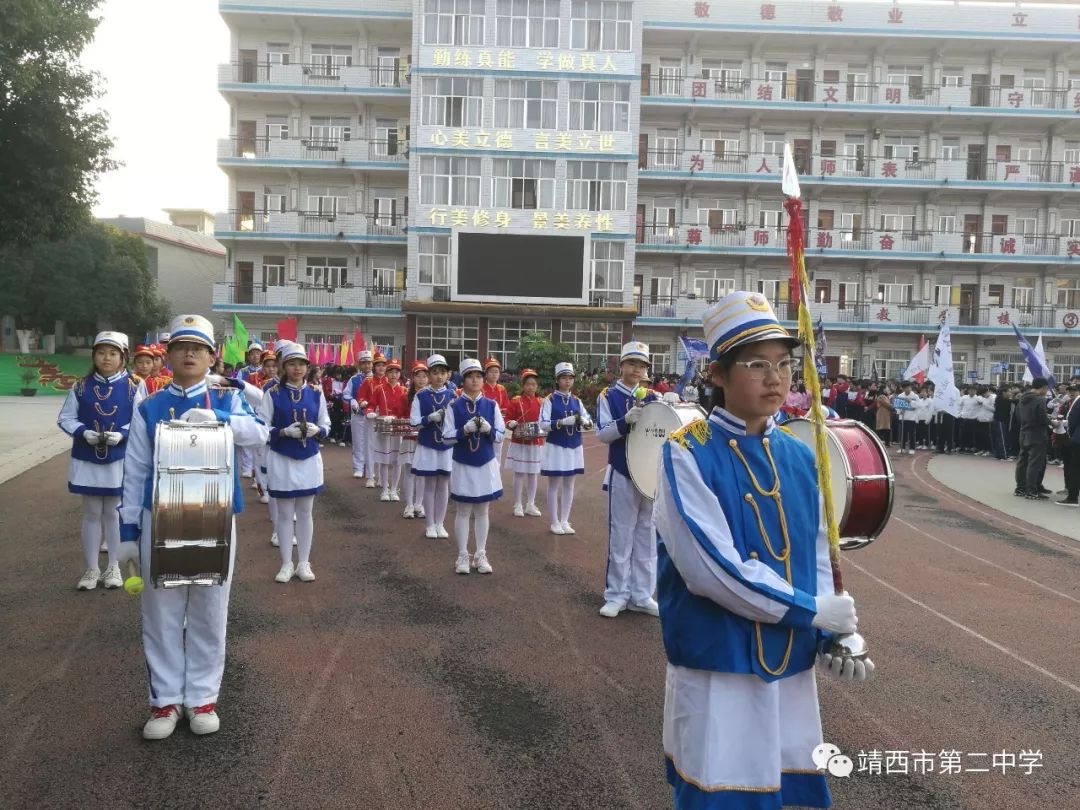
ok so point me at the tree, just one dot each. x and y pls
(537, 352)
(52, 146)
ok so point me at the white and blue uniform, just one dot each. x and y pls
(432, 456)
(102, 405)
(563, 454)
(740, 568)
(358, 423)
(631, 567)
(294, 467)
(183, 628)
(476, 477)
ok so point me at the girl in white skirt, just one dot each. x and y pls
(474, 426)
(523, 457)
(296, 414)
(413, 485)
(96, 415)
(562, 418)
(390, 403)
(431, 461)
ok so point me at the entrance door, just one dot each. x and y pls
(643, 151)
(249, 66)
(245, 139)
(980, 90)
(245, 279)
(245, 210)
(967, 304)
(646, 79)
(972, 233)
(640, 223)
(804, 85)
(801, 153)
(976, 162)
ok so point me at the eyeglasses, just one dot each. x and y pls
(759, 369)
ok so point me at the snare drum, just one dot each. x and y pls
(193, 504)
(527, 430)
(646, 440)
(397, 427)
(861, 476)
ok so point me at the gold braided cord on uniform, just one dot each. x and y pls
(784, 556)
(698, 430)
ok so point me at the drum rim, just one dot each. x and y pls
(671, 406)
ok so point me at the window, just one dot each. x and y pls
(902, 147)
(453, 337)
(277, 127)
(326, 201)
(273, 201)
(526, 103)
(384, 211)
(910, 76)
(273, 271)
(671, 77)
(1036, 88)
(449, 181)
(595, 185)
(600, 25)
(434, 253)
(1070, 227)
(451, 102)
(894, 293)
(950, 148)
(388, 67)
(453, 22)
(608, 263)
(600, 106)
(660, 359)
(666, 155)
(527, 24)
(896, 219)
(1068, 293)
(710, 286)
(770, 220)
(725, 74)
(504, 335)
(326, 271)
(383, 280)
(823, 291)
(592, 343)
(277, 53)
(891, 363)
(719, 219)
(328, 60)
(774, 290)
(1023, 293)
(952, 77)
(721, 145)
(523, 183)
(943, 295)
(1029, 151)
(328, 132)
(854, 154)
(389, 137)
(1064, 365)
(1015, 366)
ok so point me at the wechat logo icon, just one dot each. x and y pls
(828, 757)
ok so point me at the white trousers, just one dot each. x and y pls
(247, 459)
(183, 632)
(360, 445)
(631, 566)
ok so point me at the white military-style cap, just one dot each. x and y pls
(740, 318)
(192, 329)
(117, 339)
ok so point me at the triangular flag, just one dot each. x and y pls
(241, 333)
(920, 363)
(358, 343)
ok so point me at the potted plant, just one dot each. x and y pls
(29, 378)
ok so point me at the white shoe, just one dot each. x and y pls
(419, 510)
(357, 474)
(443, 534)
(90, 579)
(556, 528)
(648, 606)
(911, 452)
(304, 572)
(273, 539)
(568, 529)
(249, 474)
(104, 547)
(254, 484)
(285, 574)
(462, 565)
(531, 510)
(203, 719)
(518, 511)
(162, 723)
(408, 513)
(370, 484)
(385, 496)
(482, 564)
(112, 578)
(431, 533)
(395, 496)
(264, 498)
(611, 609)
(341, 443)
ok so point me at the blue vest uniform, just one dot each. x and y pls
(473, 449)
(430, 434)
(104, 406)
(561, 407)
(289, 404)
(620, 400)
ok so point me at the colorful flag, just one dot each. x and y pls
(287, 329)
(946, 394)
(231, 352)
(821, 343)
(241, 333)
(1036, 359)
(919, 364)
(358, 343)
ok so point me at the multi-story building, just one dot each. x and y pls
(449, 174)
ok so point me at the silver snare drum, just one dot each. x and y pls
(646, 440)
(527, 431)
(193, 504)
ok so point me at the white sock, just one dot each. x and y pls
(442, 498)
(93, 506)
(534, 479)
(395, 477)
(553, 490)
(427, 494)
(305, 527)
(272, 506)
(285, 528)
(110, 526)
(409, 485)
(566, 497)
(480, 526)
(461, 527)
(519, 487)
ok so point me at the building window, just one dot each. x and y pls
(326, 202)
(608, 265)
(523, 183)
(600, 106)
(277, 127)
(593, 344)
(710, 286)
(328, 60)
(1068, 293)
(952, 77)
(1065, 366)
(277, 53)
(527, 24)
(434, 253)
(1015, 366)
(453, 22)
(1072, 152)
(453, 337)
(451, 102)
(326, 271)
(902, 147)
(946, 223)
(328, 132)
(950, 148)
(273, 271)
(526, 104)
(659, 360)
(449, 181)
(894, 294)
(595, 185)
(504, 335)
(890, 363)
(597, 25)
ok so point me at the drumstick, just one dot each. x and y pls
(133, 583)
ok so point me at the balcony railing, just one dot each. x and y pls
(316, 74)
(332, 225)
(392, 151)
(912, 93)
(345, 296)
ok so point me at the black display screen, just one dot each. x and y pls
(520, 266)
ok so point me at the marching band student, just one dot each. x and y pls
(390, 402)
(267, 371)
(631, 568)
(414, 485)
(255, 357)
(562, 418)
(474, 425)
(142, 363)
(296, 415)
(349, 396)
(183, 628)
(252, 359)
(97, 416)
(523, 458)
(159, 364)
(432, 459)
(493, 389)
(745, 583)
(366, 395)
(149, 368)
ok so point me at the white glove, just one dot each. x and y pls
(845, 669)
(199, 415)
(216, 379)
(511, 424)
(112, 438)
(485, 426)
(92, 437)
(568, 421)
(470, 426)
(435, 417)
(364, 404)
(312, 429)
(633, 415)
(388, 419)
(292, 431)
(371, 414)
(355, 406)
(835, 614)
(129, 552)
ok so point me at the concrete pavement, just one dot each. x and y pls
(28, 433)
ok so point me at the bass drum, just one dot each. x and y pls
(861, 476)
(646, 440)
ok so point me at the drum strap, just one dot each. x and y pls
(784, 556)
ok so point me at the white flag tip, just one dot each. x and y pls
(789, 179)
